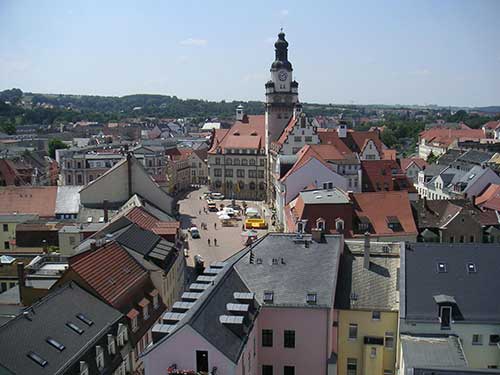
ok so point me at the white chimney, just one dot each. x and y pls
(342, 130)
(240, 113)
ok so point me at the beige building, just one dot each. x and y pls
(178, 169)
(367, 303)
(199, 167)
(237, 160)
(8, 224)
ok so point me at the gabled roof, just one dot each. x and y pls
(286, 131)
(246, 134)
(380, 174)
(445, 137)
(357, 140)
(378, 206)
(109, 270)
(407, 162)
(492, 125)
(490, 198)
(48, 318)
(420, 262)
(28, 200)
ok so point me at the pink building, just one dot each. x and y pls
(267, 310)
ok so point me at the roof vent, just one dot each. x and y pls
(259, 260)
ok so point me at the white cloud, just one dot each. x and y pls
(284, 12)
(194, 42)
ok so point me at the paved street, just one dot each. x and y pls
(229, 239)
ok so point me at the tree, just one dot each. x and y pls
(56, 144)
(431, 158)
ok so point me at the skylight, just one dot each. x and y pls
(441, 267)
(84, 319)
(37, 359)
(74, 327)
(55, 344)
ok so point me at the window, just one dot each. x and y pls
(262, 162)
(111, 345)
(494, 339)
(388, 372)
(240, 173)
(252, 186)
(311, 298)
(477, 339)
(84, 319)
(122, 334)
(445, 317)
(6, 245)
(289, 339)
(236, 161)
(452, 239)
(268, 296)
(353, 331)
(244, 162)
(375, 315)
(297, 138)
(352, 366)
(134, 324)
(229, 173)
(6, 227)
(217, 161)
(308, 138)
(267, 370)
(260, 174)
(441, 267)
(267, 338)
(373, 352)
(252, 161)
(217, 172)
(462, 239)
(471, 239)
(99, 359)
(84, 368)
(289, 370)
(228, 162)
(37, 359)
(74, 327)
(252, 173)
(56, 344)
(389, 340)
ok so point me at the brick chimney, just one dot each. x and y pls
(317, 235)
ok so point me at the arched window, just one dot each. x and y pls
(236, 161)
(241, 185)
(252, 185)
(252, 161)
(244, 162)
(339, 225)
(320, 224)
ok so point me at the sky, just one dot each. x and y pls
(444, 52)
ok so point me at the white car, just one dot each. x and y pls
(217, 196)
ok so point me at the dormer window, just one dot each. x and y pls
(111, 345)
(471, 268)
(320, 224)
(312, 298)
(445, 317)
(99, 359)
(442, 267)
(339, 225)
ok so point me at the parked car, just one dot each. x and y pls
(195, 233)
(217, 196)
(211, 206)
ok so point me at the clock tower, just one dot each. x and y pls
(281, 92)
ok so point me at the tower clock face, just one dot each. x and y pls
(282, 75)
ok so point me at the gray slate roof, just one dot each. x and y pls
(48, 318)
(475, 293)
(332, 196)
(374, 288)
(306, 270)
(432, 351)
(138, 239)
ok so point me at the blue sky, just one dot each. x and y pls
(444, 52)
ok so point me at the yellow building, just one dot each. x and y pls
(8, 224)
(367, 304)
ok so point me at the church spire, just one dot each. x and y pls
(281, 49)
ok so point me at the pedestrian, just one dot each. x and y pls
(243, 226)
(209, 242)
(215, 226)
(215, 241)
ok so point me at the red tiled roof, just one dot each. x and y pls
(492, 125)
(446, 136)
(305, 154)
(357, 140)
(143, 302)
(331, 137)
(406, 162)
(388, 154)
(490, 198)
(378, 206)
(147, 221)
(379, 174)
(28, 200)
(246, 134)
(288, 129)
(110, 270)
